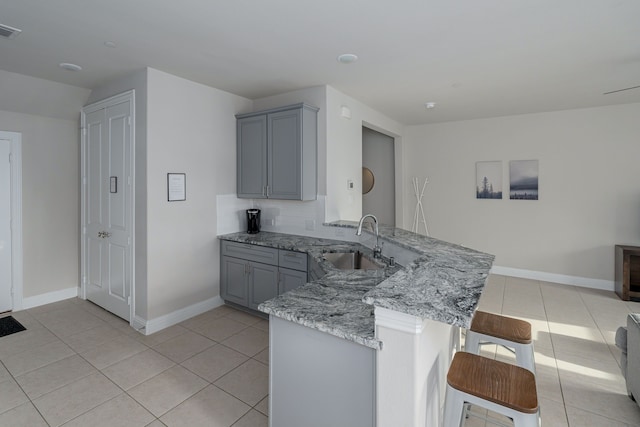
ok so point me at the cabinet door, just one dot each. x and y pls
(263, 283)
(290, 279)
(252, 157)
(234, 283)
(284, 154)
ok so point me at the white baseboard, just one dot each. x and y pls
(49, 297)
(584, 282)
(149, 327)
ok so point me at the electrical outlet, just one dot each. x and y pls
(310, 224)
(339, 232)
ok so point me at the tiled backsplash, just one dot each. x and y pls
(282, 216)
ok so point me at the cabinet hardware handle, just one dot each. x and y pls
(264, 191)
(267, 191)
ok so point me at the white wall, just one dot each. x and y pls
(339, 153)
(47, 114)
(192, 130)
(50, 200)
(39, 97)
(589, 187)
(344, 152)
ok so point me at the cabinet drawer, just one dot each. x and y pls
(291, 259)
(250, 252)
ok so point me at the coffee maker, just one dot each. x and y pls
(253, 221)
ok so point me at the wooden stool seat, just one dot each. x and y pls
(497, 386)
(506, 328)
(498, 382)
(489, 328)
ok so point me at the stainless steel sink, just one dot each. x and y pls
(351, 261)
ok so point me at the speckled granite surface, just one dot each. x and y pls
(332, 304)
(444, 284)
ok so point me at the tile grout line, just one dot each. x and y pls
(555, 358)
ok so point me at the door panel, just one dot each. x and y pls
(117, 272)
(94, 259)
(5, 226)
(94, 150)
(94, 156)
(117, 164)
(108, 212)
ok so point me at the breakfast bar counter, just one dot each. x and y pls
(372, 345)
(443, 283)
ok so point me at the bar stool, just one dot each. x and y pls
(500, 387)
(505, 331)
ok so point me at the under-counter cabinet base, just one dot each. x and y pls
(252, 274)
(277, 153)
(319, 380)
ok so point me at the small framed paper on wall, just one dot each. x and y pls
(176, 187)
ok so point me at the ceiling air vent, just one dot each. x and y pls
(8, 32)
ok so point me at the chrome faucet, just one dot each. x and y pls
(377, 250)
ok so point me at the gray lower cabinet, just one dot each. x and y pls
(290, 279)
(252, 274)
(276, 153)
(263, 283)
(234, 285)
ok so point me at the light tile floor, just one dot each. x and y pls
(577, 363)
(78, 365)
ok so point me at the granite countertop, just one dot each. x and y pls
(332, 304)
(444, 284)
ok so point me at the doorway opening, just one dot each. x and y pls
(10, 221)
(378, 177)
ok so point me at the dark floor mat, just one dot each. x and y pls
(9, 325)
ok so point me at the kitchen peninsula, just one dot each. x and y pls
(368, 347)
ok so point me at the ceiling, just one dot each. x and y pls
(474, 59)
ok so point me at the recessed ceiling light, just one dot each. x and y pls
(429, 105)
(70, 67)
(347, 58)
(110, 44)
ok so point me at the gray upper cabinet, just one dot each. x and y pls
(277, 153)
(252, 156)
